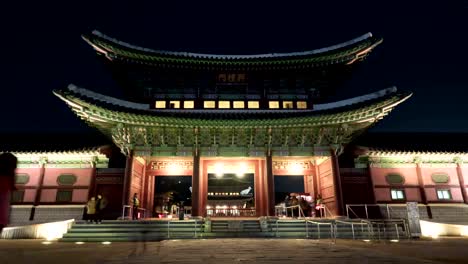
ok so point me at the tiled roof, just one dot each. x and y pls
(98, 108)
(343, 53)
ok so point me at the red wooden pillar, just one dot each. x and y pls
(270, 184)
(127, 179)
(461, 180)
(196, 185)
(337, 184)
(37, 199)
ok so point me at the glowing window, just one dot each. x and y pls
(224, 104)
(209, 104)
(160, 104)
(189, 104)
(253, 104)
(302, 105)
(444, 195)
(274, 104)
(397, 194)
(288, 104)
(238, 104)
(174, 104)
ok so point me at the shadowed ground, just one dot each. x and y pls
(237, 250)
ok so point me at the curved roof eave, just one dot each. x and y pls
(367, 109)
(96, 38)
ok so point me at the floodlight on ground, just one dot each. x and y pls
(106, 243)
(79, 243)
(366, 240)
(46, 242)
(394, 240)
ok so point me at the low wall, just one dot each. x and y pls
(49, 231)
(434, 230)
(20, 214)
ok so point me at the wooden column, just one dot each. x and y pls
(337, 185)
(422, 190)
(127, 179)
(270, 183)
(92, 183)
(37, 199)
(461, 180)
(196, 209)
(315, 179)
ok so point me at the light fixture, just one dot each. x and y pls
(106, 243)
(219, 170)
(79, 243)
(46, 242)
(366, 240)
(394, 240)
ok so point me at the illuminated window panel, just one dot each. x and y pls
(253, 104)
(189, 104)
(273, 104)
(397, 194)
(288, 105)
(444, 195)
(209, 104)
(224, 104)
(301, 105)
(238, 104)
(160, 104)
(174, 104)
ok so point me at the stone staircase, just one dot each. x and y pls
(156, 230)
(116, 230)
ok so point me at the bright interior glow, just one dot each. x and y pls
(242, 170)
(219, 170)
(394, 240)
(160, 104)
(174, 104)
(209, 104)
(189, 104)
(296, 168)
(253, 104)
(169, 216)
(288, 105)
(301, 104)
(224, 104)
(106, 243)
(273, 104)
(79, 243)
(46, 242)
(238, 104)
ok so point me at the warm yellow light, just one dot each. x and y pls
(287, 104)
(174, 104)
(239, 104)
(219, 170)
(79, 243)
(209, 104)
(253, 104)
(160, 104)
(301, 104)
(46, 242)
(296, 168)
(273, 104)
(224, 104)
(366, 240)
(106, 243)
(394, 240)
(189, 104)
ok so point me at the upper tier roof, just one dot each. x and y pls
(343, 53)
(104, 109)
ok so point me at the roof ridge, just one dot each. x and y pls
(231, 56)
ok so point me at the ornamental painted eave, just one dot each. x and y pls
(344, 53)
(105, 112)
(376, 156)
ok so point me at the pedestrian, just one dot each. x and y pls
(101, 204)
(136, 204)
(91, 210)
(7, 185)
(318, 206)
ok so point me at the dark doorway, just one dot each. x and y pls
(284, 185)
(172, 190)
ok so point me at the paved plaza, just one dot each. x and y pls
(226, 251)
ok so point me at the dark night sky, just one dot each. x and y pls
(425, 50)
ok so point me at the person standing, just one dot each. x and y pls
(91, 210)
(7, 185)
(136, 204)
(101, 203)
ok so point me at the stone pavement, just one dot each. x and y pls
(226, 251)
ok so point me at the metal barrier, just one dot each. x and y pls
(231, 211)
(130, 212)
(361, 223)
(382, 225)
(331, 224)
(281, 210)
(349, 210)
(195, 226)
